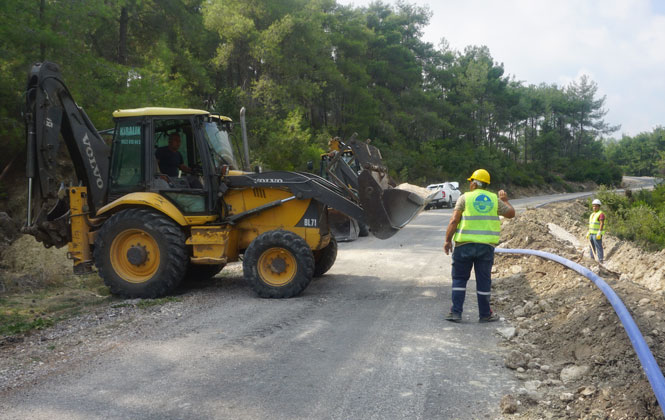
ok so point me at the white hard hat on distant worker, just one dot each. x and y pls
(480, 175)
(596, 201)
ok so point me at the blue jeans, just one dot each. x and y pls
(597, 245)
(480, 257)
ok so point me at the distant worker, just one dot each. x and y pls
(596, 230)
(169, 158)
(475, 237)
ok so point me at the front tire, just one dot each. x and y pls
(278, 264)
(325, 258)
(140, 254)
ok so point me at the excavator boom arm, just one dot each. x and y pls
(51, 112)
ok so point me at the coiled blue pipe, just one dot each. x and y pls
(647, 360)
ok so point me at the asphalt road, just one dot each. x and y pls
(365, 341)
(632, 182)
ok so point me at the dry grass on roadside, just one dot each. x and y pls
(35, 305)
(38, 288)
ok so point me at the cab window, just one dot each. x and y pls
(174, 144)
(127, 171)
(178, 165)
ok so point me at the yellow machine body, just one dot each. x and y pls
(82, 238)
(291, 216)
(157, 202)
(211, 243)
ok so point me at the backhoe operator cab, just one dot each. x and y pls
(149, 129)
(146, 230)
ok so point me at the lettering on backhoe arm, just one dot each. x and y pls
(93, 162)
(268, 180)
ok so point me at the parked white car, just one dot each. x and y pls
(444, 194)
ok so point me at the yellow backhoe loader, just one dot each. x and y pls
(146, 227)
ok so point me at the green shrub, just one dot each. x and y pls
(638, 222)
(598, 171)
(644, 196)
(658, 196)
(557, 181)
(612, 202)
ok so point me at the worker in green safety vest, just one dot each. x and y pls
(475, 228)
(596, 230)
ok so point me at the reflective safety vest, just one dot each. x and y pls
(480, 220)
(594, 223)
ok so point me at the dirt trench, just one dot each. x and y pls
(565, 341)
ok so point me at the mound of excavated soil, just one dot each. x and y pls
(566, 342)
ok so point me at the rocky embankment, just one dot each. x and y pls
(565, 341)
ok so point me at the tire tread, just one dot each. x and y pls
(300, 250)
(174, 260)
(325, 258)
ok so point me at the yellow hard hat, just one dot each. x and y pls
(481, 175)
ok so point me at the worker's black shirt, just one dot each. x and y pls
(169, 161)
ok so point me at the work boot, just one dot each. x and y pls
(490, 318)
(454, 317)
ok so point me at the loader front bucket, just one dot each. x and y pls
(387, 209)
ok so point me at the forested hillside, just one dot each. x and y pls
(642, 155)
(307, 70)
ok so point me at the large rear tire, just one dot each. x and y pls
(278, 264)
(325, 258)
(140, 254)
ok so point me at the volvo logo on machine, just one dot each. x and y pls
(93, 162)
(268, 180)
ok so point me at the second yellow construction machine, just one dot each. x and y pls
(339, 165)
(145, 230)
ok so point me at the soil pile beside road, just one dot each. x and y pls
(565, 341)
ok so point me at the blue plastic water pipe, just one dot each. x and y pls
(647, 360)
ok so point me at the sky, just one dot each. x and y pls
(619, 44)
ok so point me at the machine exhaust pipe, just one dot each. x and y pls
(245, 142)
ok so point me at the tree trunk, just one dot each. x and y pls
(581, 135)
(42, 46)
(533, 132)
(526, 140)
(122, 36)
(6, 170)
